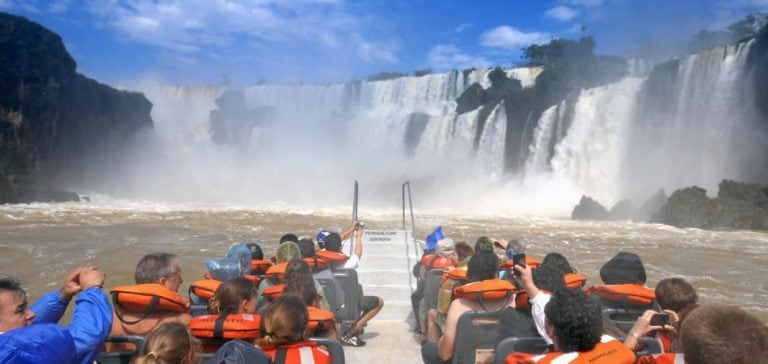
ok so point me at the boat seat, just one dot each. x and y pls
(476, 334)
(334, 348)
(349, 312)
(123, 356)
(530, 345)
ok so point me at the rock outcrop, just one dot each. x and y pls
(589, 209)
(738, 205)
(55, 125)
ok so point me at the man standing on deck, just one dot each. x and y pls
(369, 305)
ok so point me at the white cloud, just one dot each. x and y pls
(376, 52)
(562, 13)
(200, 25)
(461, 28)
(509, 38)
(585, 3)
(58, 6)
(448, 56)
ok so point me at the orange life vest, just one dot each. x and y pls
(305, 352)
(315, 263)
(236, 326)
(668, 358)
(435, 261)
(635, 294)
(249, 277)
(575, 280)
(204, 288)
(529, 261)
(146, 298)
(458, 274)
(608, 351)
(271, 293)
(277, 271)
(319, 320)
(259, 267)
(487, 290)
(332, 257)
(521, 300)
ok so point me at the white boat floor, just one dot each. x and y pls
(387, 341)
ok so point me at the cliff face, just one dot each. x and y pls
(54, 122)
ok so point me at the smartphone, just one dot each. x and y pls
(660, 319)
(519, 259)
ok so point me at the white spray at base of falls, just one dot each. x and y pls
(608, 142)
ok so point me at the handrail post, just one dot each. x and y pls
(354, 218)
(407, 187)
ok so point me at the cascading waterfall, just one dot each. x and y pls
(615, 141)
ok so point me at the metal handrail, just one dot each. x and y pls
(354, 218)
(407, 187)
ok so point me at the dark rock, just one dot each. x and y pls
(688, 207)
(738, 205)
(623, 210)
(589, 209)
(472, 98)
(651, 206)
(233, 123)
(417, 123)
(55, 124)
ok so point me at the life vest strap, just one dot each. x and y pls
(151, 307)
(218, 327)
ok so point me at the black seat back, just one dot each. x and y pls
(350, 311)
(475, 339)
(124, 356)
(530, 345)
(334, 348)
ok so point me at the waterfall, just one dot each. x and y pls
(683, 122)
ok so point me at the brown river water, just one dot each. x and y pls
(40, 243)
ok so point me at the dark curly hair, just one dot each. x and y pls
(576, 320)
(483, 265)
(548, 278)
(558, 261)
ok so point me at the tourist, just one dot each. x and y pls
(170, 343)
(283, 333)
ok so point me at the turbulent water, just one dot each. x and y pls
(40, 243)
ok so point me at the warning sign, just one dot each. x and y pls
(385, 236)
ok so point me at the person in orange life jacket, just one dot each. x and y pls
(446, 250)
(676, 297)
(237, 295)
(30, 335)
(304, 288)
(171, 342)
(369, 305)
(574, 323)
(482, 266)
(159, 268)
(286, 251)
(540, 285)
(283, 333)
(307, 248)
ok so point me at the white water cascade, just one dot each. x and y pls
(685, 122)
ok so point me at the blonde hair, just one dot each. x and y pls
(169, 343)
(284, 321)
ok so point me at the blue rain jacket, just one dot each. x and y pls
(45, 342)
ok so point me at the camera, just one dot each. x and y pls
(660, 319)
(361, 224)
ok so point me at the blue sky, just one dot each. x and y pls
(120, 42)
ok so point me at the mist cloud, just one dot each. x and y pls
(507, 37)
